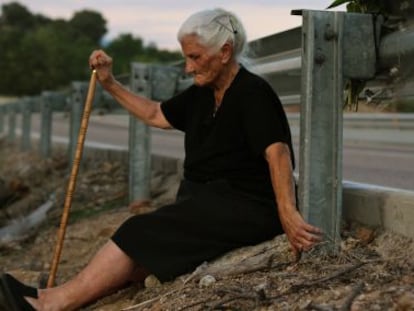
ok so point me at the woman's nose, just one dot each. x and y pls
(189, 67)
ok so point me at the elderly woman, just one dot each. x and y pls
(238, 187)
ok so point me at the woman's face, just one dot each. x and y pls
(204, 66)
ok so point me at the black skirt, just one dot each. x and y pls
(207, 220)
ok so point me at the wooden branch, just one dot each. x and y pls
(298, 287)
(356, 291)
(257, 263)
(144, 303)
(330, 277)
(194, 304)
(220, 304)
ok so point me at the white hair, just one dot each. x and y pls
(214, 28)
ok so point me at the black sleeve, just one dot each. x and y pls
(175, 109)
(264, 119)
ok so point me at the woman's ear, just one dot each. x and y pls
(227, 53)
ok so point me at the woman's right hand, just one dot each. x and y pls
(102, 63)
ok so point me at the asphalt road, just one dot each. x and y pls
(382, 157)
(386, 166)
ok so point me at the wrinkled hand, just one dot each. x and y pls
(301, 235)
(102, 63)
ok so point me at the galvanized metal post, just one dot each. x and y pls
(26, 111)
(77, 102)
(158, 83)
(139, 138)
(46, 124)
(11, 137)
(166, 81)
(2, 114)
(49, 101)
(335, 46)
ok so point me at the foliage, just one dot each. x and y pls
(126, 48)
(404, 106)
(39, 53)
(362, 6)
(353, 87)
(16, 15)
(90, 24)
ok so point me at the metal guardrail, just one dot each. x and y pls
(277, 57)
(399, 121)
(282, 64)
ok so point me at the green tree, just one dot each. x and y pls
(17, 16)
(152, 54)
(124, 49)
(39, 53)
(60, 56)
(9, 59)
(90, 24)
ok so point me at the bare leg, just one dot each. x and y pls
(108, 270)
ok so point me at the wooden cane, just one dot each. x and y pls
(72, 179)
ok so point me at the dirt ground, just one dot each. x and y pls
(374, 270)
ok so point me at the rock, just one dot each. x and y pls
(151, 281)
(206, 281)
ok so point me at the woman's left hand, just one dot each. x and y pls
(301, 235)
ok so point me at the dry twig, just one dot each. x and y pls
(356, 290)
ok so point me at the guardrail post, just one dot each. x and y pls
(2, 113)
(50, 101)
(335, 46)
(159, 83)
(77, 102)
(139, 139)
(46, 124)
(26, 111)
(166, 80)
(11, 108)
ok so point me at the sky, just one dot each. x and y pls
(157, 21)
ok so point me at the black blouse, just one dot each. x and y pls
(230, 144)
